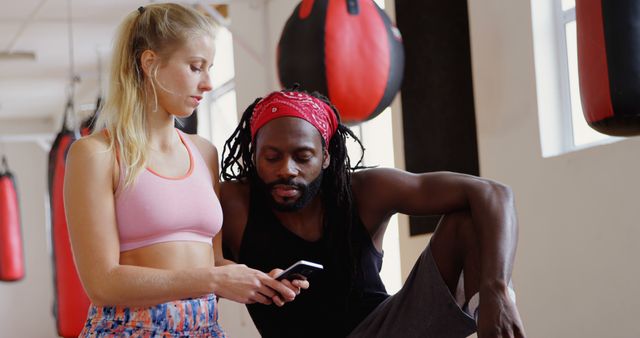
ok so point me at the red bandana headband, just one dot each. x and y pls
(295, 104)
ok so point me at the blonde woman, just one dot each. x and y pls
(141, 197)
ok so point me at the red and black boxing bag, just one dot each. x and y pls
(71, 303)
(609, 64)
(11, 251)
(348, 50)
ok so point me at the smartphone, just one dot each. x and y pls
(299, 270)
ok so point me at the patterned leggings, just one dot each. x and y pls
(196, 317)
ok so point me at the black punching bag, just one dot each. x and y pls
(347, 50)
(609, 64)
(11, 252)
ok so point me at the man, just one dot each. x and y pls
(291, 194)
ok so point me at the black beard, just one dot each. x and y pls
(307, 192)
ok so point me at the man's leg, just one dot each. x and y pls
(455, 248)
(425, 305)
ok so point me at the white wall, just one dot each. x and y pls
(26, 306)
(256, 27)
(576, 268)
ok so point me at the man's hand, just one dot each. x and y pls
(498, 316)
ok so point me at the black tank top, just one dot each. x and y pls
(319, 311)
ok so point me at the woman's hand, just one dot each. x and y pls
(295, 285)
(242, 284)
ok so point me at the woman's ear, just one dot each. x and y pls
(148, 59)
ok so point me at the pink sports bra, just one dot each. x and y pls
(159, 209)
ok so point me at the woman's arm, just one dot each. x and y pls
(89, 206)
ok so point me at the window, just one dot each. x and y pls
(218, 117)
(562, 125)
(580, 132)
(377, 137)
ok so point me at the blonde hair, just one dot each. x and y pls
(162, 28)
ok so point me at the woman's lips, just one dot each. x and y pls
(196, 99)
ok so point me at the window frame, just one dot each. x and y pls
(562, 18)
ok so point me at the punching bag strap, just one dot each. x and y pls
(65, 117)
(5, 167)
(352, 7)
(69, 117)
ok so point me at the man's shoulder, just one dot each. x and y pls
(235, 184)
(375, 190)
(234, 198)
(369, 180)
(234, 194)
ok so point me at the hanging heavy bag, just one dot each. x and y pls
(11, 251)
(70, 301)
(348, 50)
(609, 64)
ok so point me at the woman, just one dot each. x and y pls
(141, 196)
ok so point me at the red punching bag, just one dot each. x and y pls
(347, 50)
(11, 252)
(71, 302)
(609, 64)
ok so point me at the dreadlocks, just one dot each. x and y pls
(337, 198)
